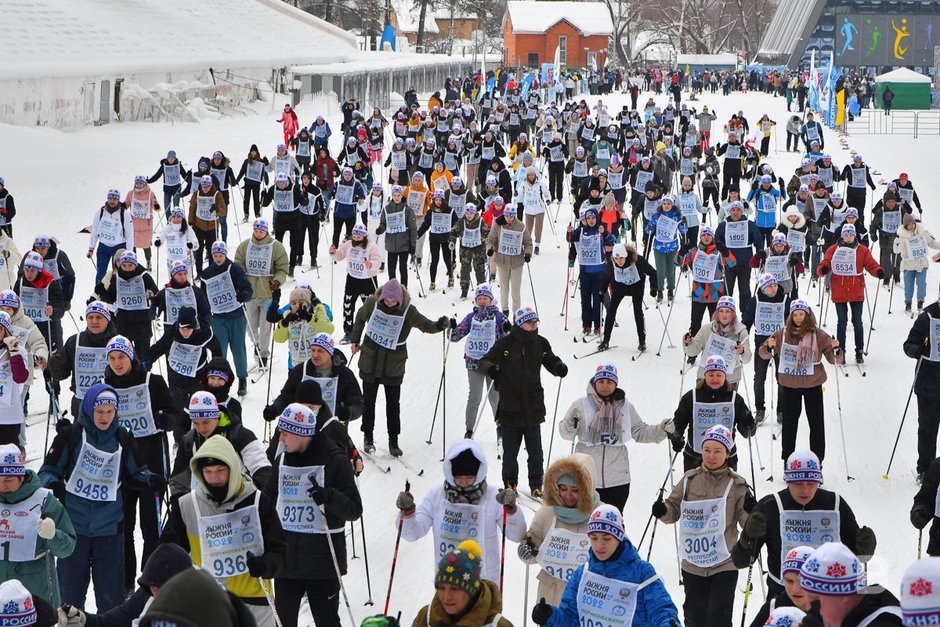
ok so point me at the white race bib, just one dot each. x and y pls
(666, 229)
(221, 293)
(226, 539)
(707, 415)
(736, 234)
(916, 247)
(627, 275)
(205, 208)
(34, 301)
(297, 511)
(702, 531)
(563, 552)
(796, 240)
(258, 259)
(96, 475)
(356, 263)
(589, 249)
(724, 347)
(510, 242)
(131, 294)
(843, 262)
(777, 266)
(458, 522)
(135, 411)
(18, 530)
(175, 299)
(481, 337)
(89, 367)
(385, 329)
(183, 359)
(789, 363)
(704, 267)
(768, 318)
(440, 223)
(395, 222)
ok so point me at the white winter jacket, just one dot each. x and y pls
(901, 247)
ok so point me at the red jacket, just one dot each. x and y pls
(850, 289)
(289, 120)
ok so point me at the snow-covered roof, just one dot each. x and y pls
(532, 17)
(902, 75)
(56, 38)
(375, 60)
(408, 12)
(707, 60)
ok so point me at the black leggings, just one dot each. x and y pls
(616, 495)
(698, 312)
(370, 391)
(338, 224)
(293, 226)
(322, 596)
(792, 401)
(311, 226)
(709, 192)
(611, 318)
(252, 193)
(556, 180)
(399, 261)
(439, 249)
(205, 238)
(355, 288)
(709, 601)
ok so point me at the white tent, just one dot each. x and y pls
(902, 75)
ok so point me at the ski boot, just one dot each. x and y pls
(468, 435)
(659, 296)
(393, 446)
(242, 387)
(759, 416)
(642, 346)
(920, 307)
(536, 493)
(859, 356)
(347, 338)
(492, 278)
(432, 287)
(450, 281)
(290, 271)
(597, 329)
(604, 345)
(907, 308)
(368, 445)
(671, 294)
(536, 250)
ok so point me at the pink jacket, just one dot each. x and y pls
(143, 227)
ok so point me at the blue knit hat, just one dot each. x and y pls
(606, 519)
(606, 371)
(324, 341)
(98, 307)
(121, 344)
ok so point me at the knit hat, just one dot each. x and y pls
(166, 561)
(106, 396)
(191, 599)
(128, 256)
(178, 266)
(98, 307)
(736, 204)
(605, 371)
(785, 617)
(397, 189)
(281, 177)
(606, 519)
(9, 298)
(42, 241)
(299, 420)
(526, 314)
(803, 465)
(177, 211)
(460, 567)
(720, 434)
(716, 363)
(668, 198)
(766, 280)
(465, 463)
(920, 592)
(203, 406)
(186, 319)
(12, 463)
(206, 181)
(392, 290)
(832, 570)
(308, 393)
(794, 559)
(848, 229)
(852, 212)
(260, 224)
(6, 323)
(705, 230)
(219, 246)
(16, 604)
(620, 251)
(779, 238)
(300, 295)
(800, 305)
(469, 208)
(727, 302)
(483, 289)
(324, 341)
(32, 261)
(114, 194)
(360, 230)
(121, 344)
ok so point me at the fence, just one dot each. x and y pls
(900, 122)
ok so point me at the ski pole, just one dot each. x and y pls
(920, 542)
(871, 322)
(352, 533)
(551, 440)
(339, 575)
(267, 396)
(845, 453)
(502, 551)
(535, 301)
(661, 489)
(747, 591)
(391, 576)
(564, 305)
(665, 328)
(903, 417)
(365, 555)
(270, 599)
(525, 595)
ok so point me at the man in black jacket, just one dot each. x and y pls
(923, 344)
(310, 504)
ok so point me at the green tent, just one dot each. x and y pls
(911, 90)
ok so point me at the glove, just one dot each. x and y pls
(652, 291)
(881, 273)
(527, 550)
(865, 543)
(489, 252)
(542, 612)
(659, 508)
(561, 370)
(290, 317)
(58, 489)
(677, 441)
(874, 237)
(156, 243)
(411, 251)
(269, 413)
(256, 565)
(71, 616)
(527, 257)
(668, 426)
(920, 516)
(507, 327)
(507, 498)
(453, 323)
(317, 492)
(749, 429)
(405, 503)
(493, 373)
(156, 483)
(750, 502)
(442, 323)
(243, 296)
(686, 339)
(161, 420)
(46, 528)
(12, 344)
(793, 261)
(754, 529)
(273, 286)
(305, 314)
(823, 270)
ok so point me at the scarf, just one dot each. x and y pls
(472, 495)
(607, 418)
(807, 349)
(573, 515)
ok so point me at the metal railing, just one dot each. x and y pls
(899, 122)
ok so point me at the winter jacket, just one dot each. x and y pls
(518, 358)
(654, 606)
(348, 393)
(308, 555)
(260, 161)
(701, 484)
(202, 337)
(457, 233)
(743, 551)
(31, 337)
(346, 210)
(750, 313)
(182, 528)
(404, 241)
(671, 246)
(514, 262)
(181, 175)
(742, 420)
(218, 209)
(298, 332)
(708, 292)
(736, 331)
(644, 270)
(33, 574)
(427, 516)
(486, 610)
(166, 414)
(44, 281)
(93, 519)
(59, 265)
(203, 309)
(62, 362)
(285, 214)
(243, 289)
(574, 239)
(767, 201)
(879, 608)
(742, 254)
(383, 365)
(850, 289)
(902, 247)
(142, 202)
(109, 294)
(608, 450)
(124, 233)
(491, 312)
(917, 345)
(261, 285)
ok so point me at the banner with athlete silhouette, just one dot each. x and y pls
(880, 40)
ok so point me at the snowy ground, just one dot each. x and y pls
(60, 178)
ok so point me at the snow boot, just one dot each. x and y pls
(907, 308)
(463, 292)
(779, 417)
(468, 435)
(290, 271)
(642, 346)
(659, 296)
(368, 444)
(432, 287)
(393, 446)
(671, 295)
(536, 249)
(604, 345)
(536, 493)
(346, 339)
(920, 307)
(859, 356)
(242, 387)
(492, 278)
(759, 416)
(597, 329)
(450, 281)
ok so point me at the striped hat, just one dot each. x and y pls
(606, 519)
(128, 257)
(606, 371)
(9, 298)
(324, 341)
(794, 559)
(720, 434)
(203, 406)
(98, 307)
(832, 570)
(299, 420)
(121, 344)
(219, 246)
(32, 261)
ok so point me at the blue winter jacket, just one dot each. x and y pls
(766, 207)
(344, 211)
(654, 607)
(742, 256)
(93, 519)
(607, 239)
(671, 247)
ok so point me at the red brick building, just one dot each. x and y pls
(533, 29)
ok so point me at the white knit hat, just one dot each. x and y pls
(832, 570)
(920, 592)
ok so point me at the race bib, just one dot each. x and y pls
(627, 275)
(510, 242)
(395, 222)
(458, 522)
(385, 329)
(843, 262)
(440, 223)
(707, 415)
(796, 240)
(768, 318)
(258, 259)
(135, 412)
(183, 359)
(563, 552)
(298, 512)
(96, 475)
(132, 294)
(789, 363)
(221, 293)
(34, 301)
(666, 229)
(724, 347)
(481, 337)
(589, 249)
(89, 368)
(226, 539)
(736, 234)
(176, 299)
(916, 247)
(704, 267)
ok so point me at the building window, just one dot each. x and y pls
(533, 60)
(563, 50)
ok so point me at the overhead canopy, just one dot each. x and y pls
(788, 32)
(902, 75)
(707, 61)
(532, 17)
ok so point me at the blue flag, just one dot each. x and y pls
(388, 35)
(526, 85)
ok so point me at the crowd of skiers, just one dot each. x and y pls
(477, 180)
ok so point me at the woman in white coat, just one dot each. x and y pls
(533, 198)
(464, 507)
